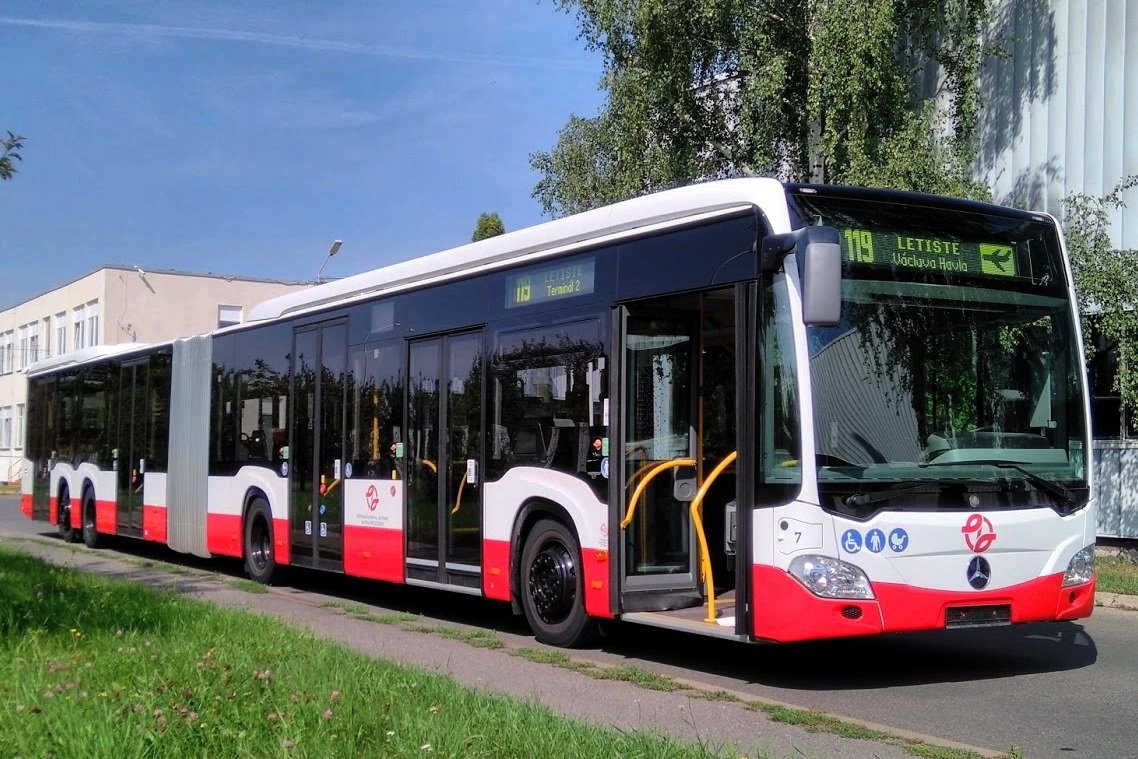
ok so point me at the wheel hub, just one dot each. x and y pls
(553, 583)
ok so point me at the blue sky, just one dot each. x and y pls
(242, 137)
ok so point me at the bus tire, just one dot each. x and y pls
(260, 558)
(552, 587)
(91, 536)
(63, 517)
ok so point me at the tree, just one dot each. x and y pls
(10, 152)
(1106, 283)
(489, 225)
(825, 90)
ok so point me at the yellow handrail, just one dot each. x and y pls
(673, 464)
(458, 499)
(697, 520)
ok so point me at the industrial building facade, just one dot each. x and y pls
(113, 304)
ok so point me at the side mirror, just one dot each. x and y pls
(818, 252)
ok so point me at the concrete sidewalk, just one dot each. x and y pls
(623, 706)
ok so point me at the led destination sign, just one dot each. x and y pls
(901, 251)
(549, 283)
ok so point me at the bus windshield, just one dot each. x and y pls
(953, 379)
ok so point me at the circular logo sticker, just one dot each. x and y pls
(605, 468)
(284, 469)
(348, 471)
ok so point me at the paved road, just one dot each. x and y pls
(1062, 690)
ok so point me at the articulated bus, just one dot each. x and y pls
(746, 409)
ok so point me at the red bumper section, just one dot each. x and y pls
(785, 611)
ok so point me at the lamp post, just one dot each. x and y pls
(331, 252)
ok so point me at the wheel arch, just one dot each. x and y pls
(253, 493)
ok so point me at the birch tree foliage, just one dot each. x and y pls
(823, 90)
(1106, 281)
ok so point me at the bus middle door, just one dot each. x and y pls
(316, 445)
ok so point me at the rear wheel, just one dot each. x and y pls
(63, 517)
(552, 588)
(91, 536)
(260, 559)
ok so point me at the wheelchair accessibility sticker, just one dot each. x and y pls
(851, 541)
(875, 540)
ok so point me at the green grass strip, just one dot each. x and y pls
(96, 667)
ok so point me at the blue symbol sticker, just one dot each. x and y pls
(605, 468)
(322, 510)
(875, 540)
(851, 541)
(898, 540)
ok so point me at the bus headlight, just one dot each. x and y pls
(830, 578)
(1081, 569)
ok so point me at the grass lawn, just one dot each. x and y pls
(95, 667)
(1116, 574)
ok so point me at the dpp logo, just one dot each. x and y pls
(979, 533)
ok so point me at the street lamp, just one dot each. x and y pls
(331, 252)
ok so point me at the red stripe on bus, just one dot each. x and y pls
(496, 569)
(1043, 599)
(223, 534)
(373, 552)
(785, 611)
(154, 523)
(280, 541)
(106, 517)
(595, 563)
(53, 510)
(26, 504)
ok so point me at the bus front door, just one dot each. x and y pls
(317, 462)
(442, 460)
(677, 424)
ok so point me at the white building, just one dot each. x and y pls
(113, 304)
(1060, 105)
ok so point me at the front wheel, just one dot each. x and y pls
(552, 588)
(260, 559)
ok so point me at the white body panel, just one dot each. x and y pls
(227, 494)
(373, 503)
(504, 498)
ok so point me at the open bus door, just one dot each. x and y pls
(676, 447)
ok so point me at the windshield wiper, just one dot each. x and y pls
(877, 496)
(1044, 484)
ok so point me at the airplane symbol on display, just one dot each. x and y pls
(998, 257)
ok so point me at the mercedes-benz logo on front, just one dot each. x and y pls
(979, 573)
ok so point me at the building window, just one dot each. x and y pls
(6, 427)
(22, 357)
(78, 340)
(6, 352)
(93, 323)
(33, 342)
(20, 427)
(227, 316)
(61, 333)
(47, 337)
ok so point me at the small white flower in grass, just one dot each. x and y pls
(426, 748)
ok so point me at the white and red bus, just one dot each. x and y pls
(751, 410)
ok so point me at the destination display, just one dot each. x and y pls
(902, 251)
(548, 283)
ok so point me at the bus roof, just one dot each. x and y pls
(623, 219)
(87, 356)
